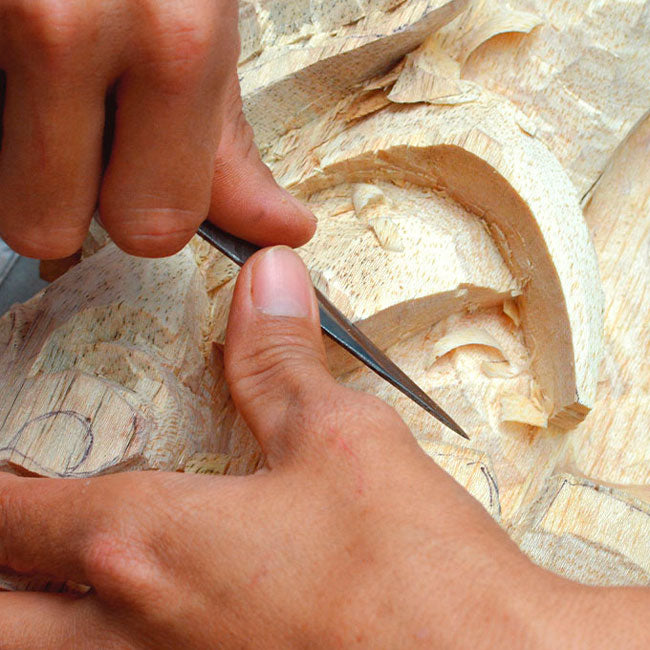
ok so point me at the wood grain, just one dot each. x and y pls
(447, 186)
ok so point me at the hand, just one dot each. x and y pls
(182, 149)
(350, 537)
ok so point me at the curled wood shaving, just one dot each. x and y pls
(511, 310)
(466, 336)
(526, 124)
(499, 369)
(518, 408)
(497, 20)
(538, 398)
(365, 198)
(385, 80)
(387, 233)
(366, 104)
(431, 57)
(431, 75)
(371, 207)
(417, 85)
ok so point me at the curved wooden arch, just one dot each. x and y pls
(479, 156)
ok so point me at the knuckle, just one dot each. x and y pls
(371, 409)
(269, 368)
(358, 419)
(181, 44)
(237, 138)
(374, 415)
(117, 556)
(188, 36)
(49, 27)
(285, 360)
(118, 563)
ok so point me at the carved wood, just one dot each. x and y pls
(447, 184)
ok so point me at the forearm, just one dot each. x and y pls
(601, 617)
(524, 606)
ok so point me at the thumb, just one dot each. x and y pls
(246, 201)
(274, 355)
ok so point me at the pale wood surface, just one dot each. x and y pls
(581, 75)
(477, 154)
(448, 228)
(308, 60)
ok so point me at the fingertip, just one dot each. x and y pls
(151, 245)
(303, 220)
(44, 244)
(247, 201)
(262, 214)
(273, 298)
(280, 284)
(149, 232)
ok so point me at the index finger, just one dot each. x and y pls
(37, 620)
(60, 527)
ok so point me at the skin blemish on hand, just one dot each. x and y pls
(262, 572)
(354, 460)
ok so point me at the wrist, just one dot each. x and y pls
(517, 611)
(504, 603)
(600, 617)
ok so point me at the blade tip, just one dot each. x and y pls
(456, 429)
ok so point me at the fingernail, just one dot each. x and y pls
(281, 285)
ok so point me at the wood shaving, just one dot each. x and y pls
(387, 233)
(511, 309)
(431, 75)
(371, 206)
(366, 198)
(518, 408)
(499, 370)
(466, 336)
(500, 20)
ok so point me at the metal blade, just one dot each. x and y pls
(349, 336)
(236, 249)
(340, 329)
